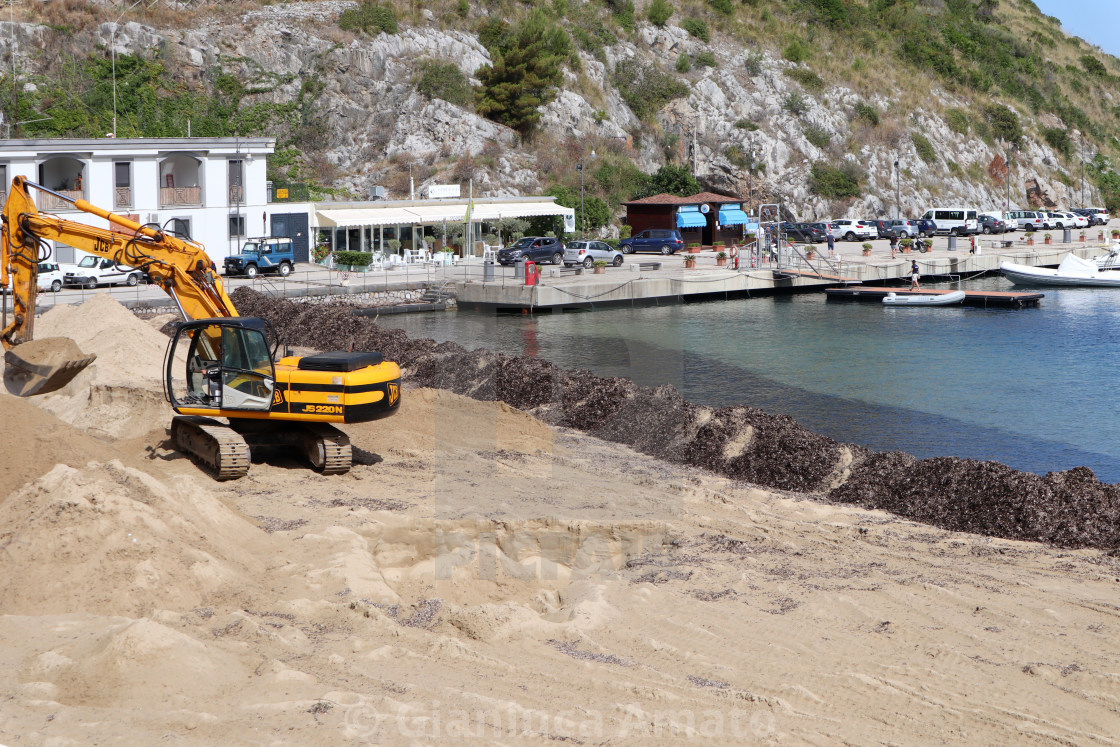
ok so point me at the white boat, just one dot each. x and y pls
(1110, 260)
(1073, 271)
(924, 299)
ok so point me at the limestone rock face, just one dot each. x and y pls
(368, 116)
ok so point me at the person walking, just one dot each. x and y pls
(894, 245)
(914, 275)
(831, 241)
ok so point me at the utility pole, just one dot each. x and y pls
(897, 192)
(1081, 138)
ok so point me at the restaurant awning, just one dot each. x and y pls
(691, 219)
(348, 217)
(496, 210)
(733, 217)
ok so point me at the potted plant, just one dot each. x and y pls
(1030, 235)
(689, 261)
(600, 266)
(1115, 234)
(721, 259)
(694, 247)
(1100, 235)
(1046, 238)
(322, 251)
(1082, 235)
(810, 253)
(906, 244)
(866, 249)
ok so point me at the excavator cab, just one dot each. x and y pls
(229, 365)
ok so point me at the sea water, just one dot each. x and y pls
(1032, 388)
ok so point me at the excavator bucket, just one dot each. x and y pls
(43, 366)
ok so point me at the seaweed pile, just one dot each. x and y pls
(1068, 509)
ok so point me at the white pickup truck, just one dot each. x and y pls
(93, 271)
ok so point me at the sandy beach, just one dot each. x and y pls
(485, 575)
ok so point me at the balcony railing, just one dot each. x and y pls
(169, 196)
(122, 197)
(47, 202)
(236, 194)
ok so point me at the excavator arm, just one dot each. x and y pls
(179, 266)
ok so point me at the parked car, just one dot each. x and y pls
(806, 233)
(853, 230)
(883, 229)
(265, 254)
(664, 240)
(1100, 215)
(587, 252)
(93, 271)
(534, 249)
(1059, 219)
(50, 277)
(1032, 219)
(926, 227)
(991, 224)
(904, 228)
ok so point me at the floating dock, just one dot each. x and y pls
(983, 299)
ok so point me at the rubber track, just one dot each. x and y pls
(228, 454)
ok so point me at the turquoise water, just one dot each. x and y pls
(1031, 388)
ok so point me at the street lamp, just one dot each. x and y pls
(113, 51)
(897, 193)
(1081, 138)
(582, 215)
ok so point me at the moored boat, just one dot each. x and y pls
(1073, 271)
(924, 299)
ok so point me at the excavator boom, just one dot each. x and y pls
(179, 266)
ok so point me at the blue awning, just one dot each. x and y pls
(691, 219)
(733, 217)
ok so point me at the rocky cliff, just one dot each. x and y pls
(371, 126)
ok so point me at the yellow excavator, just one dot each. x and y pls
(231, 369)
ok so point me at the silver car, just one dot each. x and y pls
(587, 252)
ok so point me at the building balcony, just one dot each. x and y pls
(47, 202)
(180, 196)
(122, 197)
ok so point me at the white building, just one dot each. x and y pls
(213, 190)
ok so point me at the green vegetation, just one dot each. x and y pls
(746, 124)
(370, 18)
(796, 50)
(957, 121)
(796, 103)
(674, 180)
(836, 182)
(868, 113)
(1058, 139)
(353, 259)
(752, 63)
(527, 67)
(598, 214)
(644, 88)
(807, 78)
(1093, 66)
(659, 12)
(924, 147)
(706, 59)
(1004, 123)
(698, 28)
(683, 63)
(437, 79)
(817, 135)
(723, 6)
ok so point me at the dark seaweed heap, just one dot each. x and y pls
(1069, 509)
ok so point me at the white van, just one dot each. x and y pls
(957, 221)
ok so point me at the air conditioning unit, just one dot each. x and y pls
(152, 218)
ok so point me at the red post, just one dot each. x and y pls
(532, 273)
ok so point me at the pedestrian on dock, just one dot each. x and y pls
(831, 241)
(894, 245)
(914, 275)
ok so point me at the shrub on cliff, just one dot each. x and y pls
(370, 18)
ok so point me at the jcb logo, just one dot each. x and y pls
(394, 394)
(277, 397)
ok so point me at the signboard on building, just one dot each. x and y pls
(439, 191)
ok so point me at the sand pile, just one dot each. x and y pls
(113, 540)
(119, 395)
(1072, 509)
